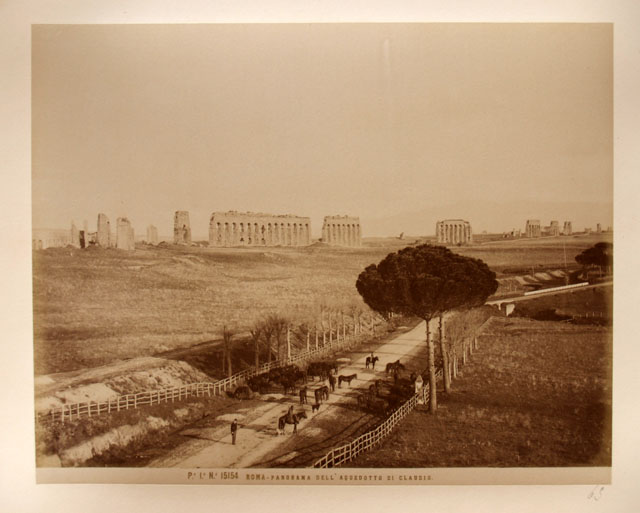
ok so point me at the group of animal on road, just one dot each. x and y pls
(321, 393)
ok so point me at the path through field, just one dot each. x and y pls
(338, 420)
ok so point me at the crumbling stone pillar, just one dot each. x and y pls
(152, 235)
(124, 234)
(103, 234)
(181, 227)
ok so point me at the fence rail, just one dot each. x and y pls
(124, 402)
(347, 452)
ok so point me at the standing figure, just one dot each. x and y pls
(332, 382)
(234, 430)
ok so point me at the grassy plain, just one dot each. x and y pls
(96, 306)
(535, 394)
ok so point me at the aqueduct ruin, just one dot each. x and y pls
(533, 228)
(342, 231)
(454, 231)
(257, 229)
(181, 228)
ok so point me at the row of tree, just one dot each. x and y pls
(277, 334)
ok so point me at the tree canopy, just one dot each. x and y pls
(425, 281)
(600, 254)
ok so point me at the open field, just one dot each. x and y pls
(534, 394)
(95, 306)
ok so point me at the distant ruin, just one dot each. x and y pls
(454, 231)
(152, 235)
(181, 228)
(103, 235)
(251, 229)
(75, 236)
(342, 231)
(124, 235)
(43, 239)
(553, 230)
(533, 228)
(566, 230)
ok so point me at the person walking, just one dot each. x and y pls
(234, 430)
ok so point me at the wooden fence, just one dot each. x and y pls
(340, 455)
(347, 452)
(124, 402)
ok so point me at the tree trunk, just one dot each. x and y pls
(455, 364)
(269, 350)
(279, 345)
(316, 337)
(433, 402)
(229, 367)
(308, 335)
(257, 351)
(288, 344)
(446, 377)
(224, 359)
(330, 330)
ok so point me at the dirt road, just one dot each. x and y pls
(338, 419)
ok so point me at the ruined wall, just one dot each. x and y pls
(43, 239)
(103, 235)
(533, 228)
(251, 229)
(181, 228)
(124, 234)
(454, 231)
(554, 229)
(567, 229)
(342, 231)
(75, 236)
(152, 235)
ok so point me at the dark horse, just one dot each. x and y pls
(371, 361)
(325, 392)
(290, 418)
(394, 367)
(348, 379)
(303, 395)
(320, 394)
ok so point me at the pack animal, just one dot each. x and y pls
(394, 366)
(371, 361)
(346, 379)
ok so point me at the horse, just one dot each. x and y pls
(290, 419)
(288, 385)
(347, 379)
(394, 366)
(371, 361)
(325, 392)
(315, 407)
(318, 394)
(303, 395)
(332, 382)
(375, 388)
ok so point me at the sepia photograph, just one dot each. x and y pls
(323, 253)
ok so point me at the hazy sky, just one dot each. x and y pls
(372, 120)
